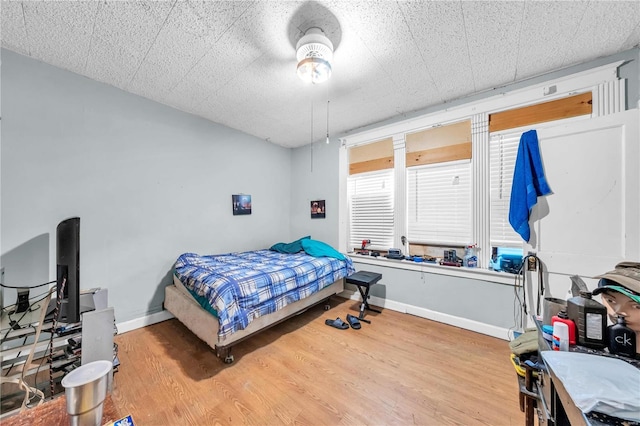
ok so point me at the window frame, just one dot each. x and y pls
(478, 112)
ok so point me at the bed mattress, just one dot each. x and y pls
(242, 287)
(180, 302)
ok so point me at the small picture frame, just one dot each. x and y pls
(241, 204)
(318, 209)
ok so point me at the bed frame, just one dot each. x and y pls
(184, 307)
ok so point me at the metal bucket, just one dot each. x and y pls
(551, 307)
(86, 389)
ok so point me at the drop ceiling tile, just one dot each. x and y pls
(60, 33)
(439, 34)
(493, 29)
(260, 34)
(13, 29)
(603, 30)
(633, 39)
(390, 45)
(219, 67)
(548, 31)
(190, 31)
(124, 33)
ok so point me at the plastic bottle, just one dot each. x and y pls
(622, 339)
(470, 260)
(563, 317)
(560, 340)
(590, 318)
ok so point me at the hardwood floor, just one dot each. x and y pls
(400, 369)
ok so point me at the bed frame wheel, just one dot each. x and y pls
(228, 359)
(327, 307)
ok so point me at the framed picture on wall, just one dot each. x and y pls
(241, 204)
(317, 209)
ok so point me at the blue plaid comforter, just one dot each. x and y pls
(245, 286)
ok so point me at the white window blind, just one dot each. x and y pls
(503, 150)
(370, 198)
(439, 203)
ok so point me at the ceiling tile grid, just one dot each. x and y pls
(492, 30)
(547, 31)
(233, 62)
(14, 32)
(124, 33)
(59, 33)
(603, 31)
(440, 35)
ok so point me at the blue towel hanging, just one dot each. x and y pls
(529, 183)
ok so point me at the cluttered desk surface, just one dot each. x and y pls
(595, 386)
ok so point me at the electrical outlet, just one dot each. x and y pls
(531, 262)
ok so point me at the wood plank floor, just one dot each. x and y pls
(400, 369)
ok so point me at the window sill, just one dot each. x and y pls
(433, 268)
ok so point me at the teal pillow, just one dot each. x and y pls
(319, 249)
(289, 248)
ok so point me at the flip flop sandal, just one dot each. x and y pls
(354, 322)
(337, 323)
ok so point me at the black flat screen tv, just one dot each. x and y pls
(68, 270)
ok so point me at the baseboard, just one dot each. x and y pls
(467, 324)
(150, 319)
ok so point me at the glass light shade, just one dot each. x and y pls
(314, 70)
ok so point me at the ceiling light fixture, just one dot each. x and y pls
(314, 52)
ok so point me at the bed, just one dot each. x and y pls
(224, 299)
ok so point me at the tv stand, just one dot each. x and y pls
(86, 305)
(18, 332)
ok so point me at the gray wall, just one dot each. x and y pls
(148, 182)
(319, 183)
(476, 300)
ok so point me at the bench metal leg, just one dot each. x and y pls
(365, 304)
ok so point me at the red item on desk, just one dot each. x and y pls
(562, 317)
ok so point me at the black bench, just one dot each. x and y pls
(364, 280)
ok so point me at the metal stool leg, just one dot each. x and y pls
(365, 304)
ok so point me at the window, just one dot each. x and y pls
(503, 150)
(439, 203)
(444, 179)
(438, 171)
(370, 197)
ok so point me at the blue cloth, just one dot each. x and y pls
(529, 183)
(317, 248)
(289, 248)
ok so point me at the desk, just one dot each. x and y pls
(557, 407)
(54, 413)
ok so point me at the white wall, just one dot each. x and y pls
(148, 182)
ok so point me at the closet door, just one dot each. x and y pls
(591, 221)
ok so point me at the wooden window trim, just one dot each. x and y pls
(558, 109)
(442, 154)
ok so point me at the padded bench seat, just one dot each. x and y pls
(364, 280)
